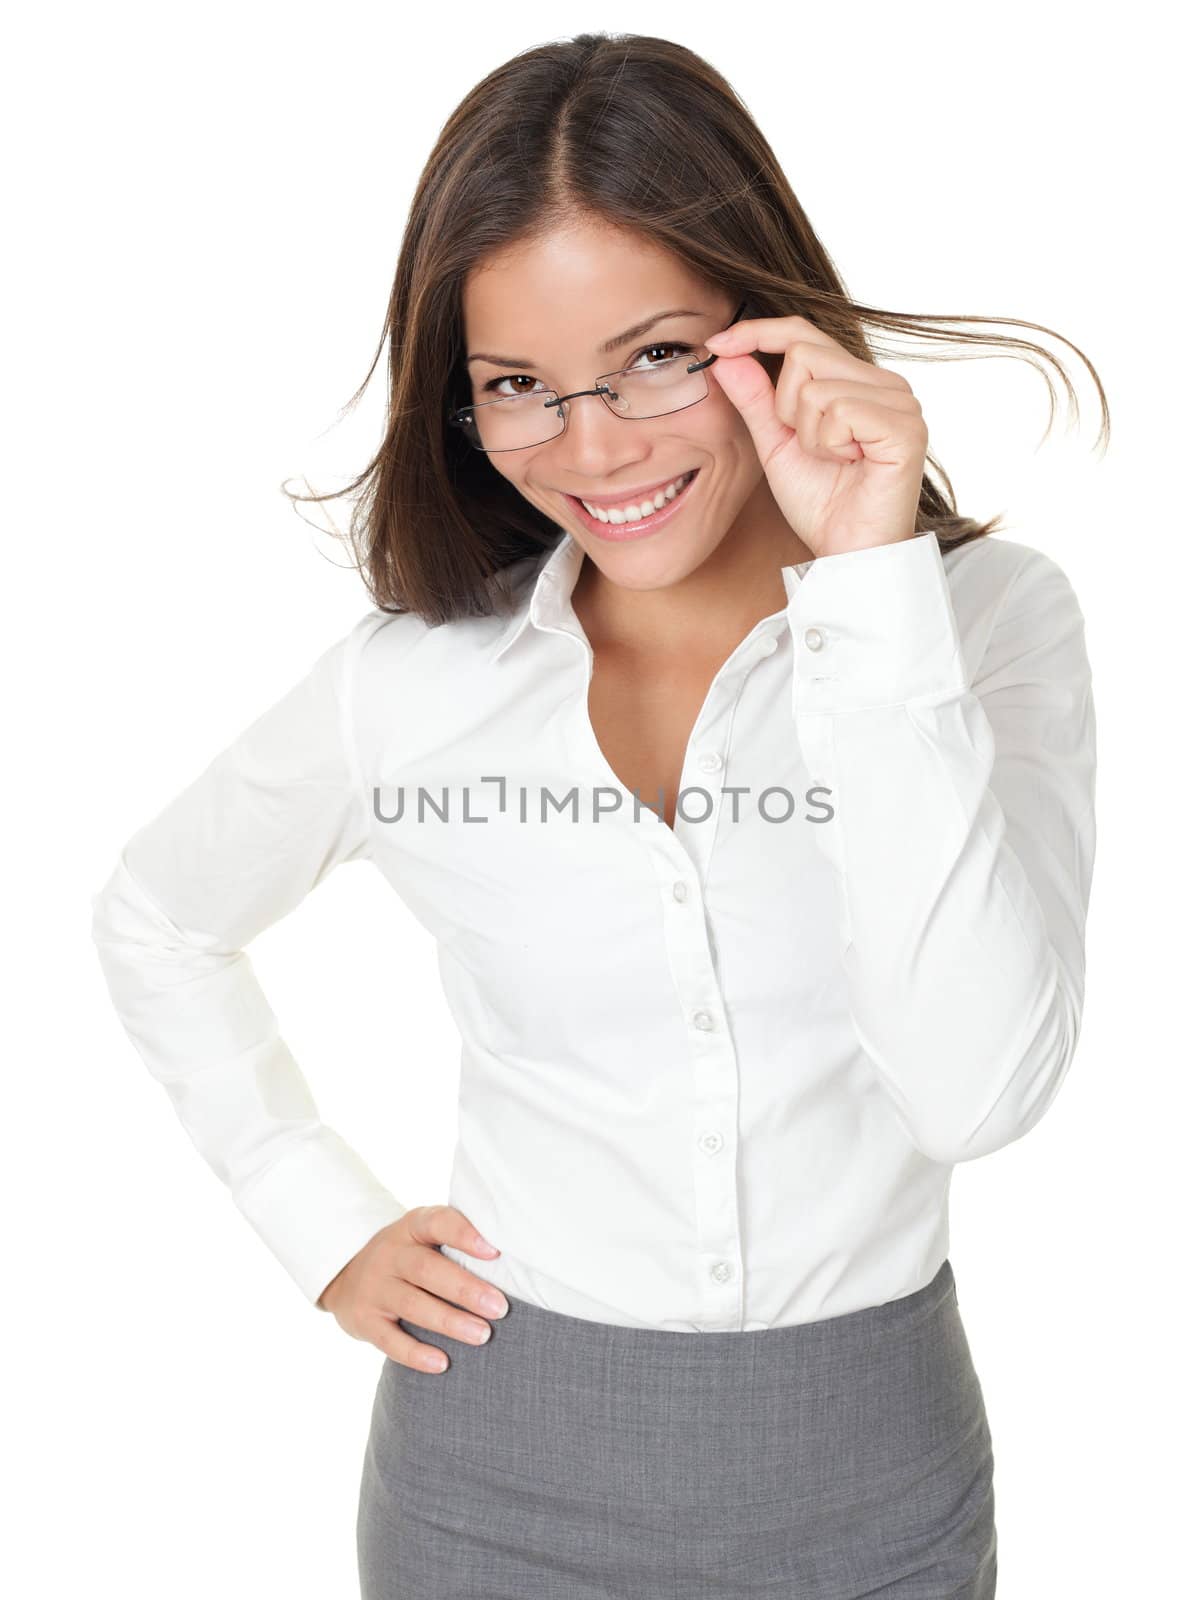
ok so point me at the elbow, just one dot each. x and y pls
(102, 911)
(106, 924)
(111, 903)
(140, 950)
(1031, 1073)
(125, 921)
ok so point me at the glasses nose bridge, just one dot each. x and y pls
(600, 388)
(557, 404)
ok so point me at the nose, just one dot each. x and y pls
(595, 442)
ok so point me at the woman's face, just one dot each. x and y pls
(554, 304)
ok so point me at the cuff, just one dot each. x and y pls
(873, 627)
(316, 1208)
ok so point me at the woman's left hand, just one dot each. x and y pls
(842, 441)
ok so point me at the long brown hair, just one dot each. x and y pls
(631, 130)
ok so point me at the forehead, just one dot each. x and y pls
(571, 289)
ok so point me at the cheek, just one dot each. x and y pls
(723, 435)
(713, 426)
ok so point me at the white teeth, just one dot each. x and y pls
(635, 513)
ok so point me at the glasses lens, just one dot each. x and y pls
(517, 422)
(657, 390)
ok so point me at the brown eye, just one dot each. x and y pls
(493, 384)
(674, 350)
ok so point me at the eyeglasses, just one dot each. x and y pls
(515, 422)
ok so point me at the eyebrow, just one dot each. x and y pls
(605, 349)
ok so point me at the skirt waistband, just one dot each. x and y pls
(584, 1336)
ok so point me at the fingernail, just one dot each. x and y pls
(484, 1244)
(496, 1304)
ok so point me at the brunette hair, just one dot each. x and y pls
(631, 130)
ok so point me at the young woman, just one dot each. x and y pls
(748, 792)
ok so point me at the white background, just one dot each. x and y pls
(204, 208)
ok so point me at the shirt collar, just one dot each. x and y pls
(548, 601)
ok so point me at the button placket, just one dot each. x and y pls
(710, 738)
(715, 1074)
(714, 1086)
(729, 682)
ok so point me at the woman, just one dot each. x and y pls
(748, 792)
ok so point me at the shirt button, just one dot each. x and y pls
(814, 638)
(720, 1271)
(703, 1020)
(710, 761)
(768, 645)
(711, 1142)
(679, 890)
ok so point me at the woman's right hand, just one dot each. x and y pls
(400, 1272)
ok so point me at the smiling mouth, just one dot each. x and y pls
(620, 521)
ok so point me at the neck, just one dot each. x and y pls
(712, 609)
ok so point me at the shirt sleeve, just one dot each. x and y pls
(240, 847)
(963, 832)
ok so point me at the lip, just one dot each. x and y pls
(632, 495)
(631, 530)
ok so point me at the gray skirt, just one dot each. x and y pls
(568, 1459)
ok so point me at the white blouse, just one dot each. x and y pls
(714, 1076)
